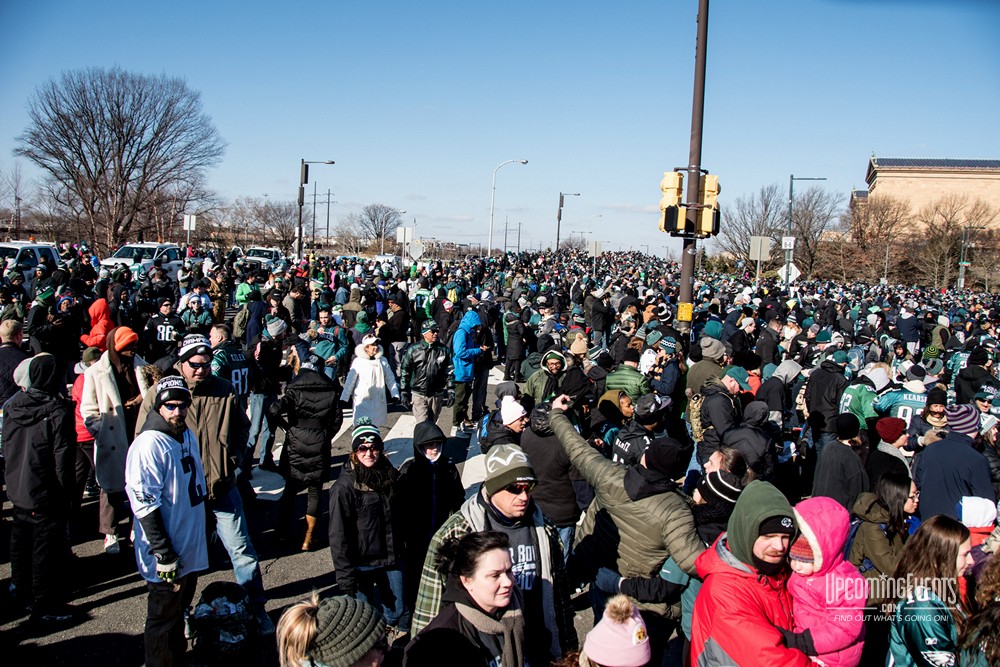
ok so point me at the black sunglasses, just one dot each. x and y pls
(517, 488)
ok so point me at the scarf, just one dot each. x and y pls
(380, 478)
(510, 625)
(893, 451)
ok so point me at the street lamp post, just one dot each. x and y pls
(562, 195)
(788, 251)
(963, 261)
(493, 196)
(303, 179)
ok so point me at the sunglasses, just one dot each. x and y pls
(176, 407)
(518, 488)
(196, 365)
(374, 449)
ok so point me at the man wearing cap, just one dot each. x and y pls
(721, 410)
(628, 378)
(824, 388)
(266, 351)
(504, 504)
(950, 468)
(635, 436)
(113, 390)
(426, 375)
(166, 488)
(638, 519)
(770, 340)
(221, 429)
(40, 324)
(392, 327)
(163, 331)
(744, 604)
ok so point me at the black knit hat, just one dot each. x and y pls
(171, 388)
(847, 426)
(346, 629)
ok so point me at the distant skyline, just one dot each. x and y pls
(419, 102)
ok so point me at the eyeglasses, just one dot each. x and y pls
(196, 366)
(518, 488)
(914, 496)
(365, 449)
(176, 407)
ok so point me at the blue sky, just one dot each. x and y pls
(419, 102)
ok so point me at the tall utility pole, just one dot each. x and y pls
(329, 196)
(562, 195)
(788, 251)
(315, 184)
(506, 221)
(518, 238)
(686, 305)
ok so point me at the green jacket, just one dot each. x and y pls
(633, 537)
(535, 386)
(871, 541)
(629, 380)
(243, 290)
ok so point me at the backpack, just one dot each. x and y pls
(866, 563)
(694, 417)
(240, 322)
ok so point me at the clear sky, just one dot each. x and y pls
(418, 102)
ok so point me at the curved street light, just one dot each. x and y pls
(303, 179)
(493, 197)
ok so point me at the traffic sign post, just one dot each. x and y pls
(415, 249)
(189, 223)
(792, 274)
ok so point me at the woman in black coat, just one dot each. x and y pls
(309, 411)
(515, 344)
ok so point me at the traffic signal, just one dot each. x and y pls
(708, 214)
(673, 212)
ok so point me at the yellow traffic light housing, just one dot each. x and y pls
(708, 214)
(673, 212)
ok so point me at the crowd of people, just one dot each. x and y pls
(794, 476)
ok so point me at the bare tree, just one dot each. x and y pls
(875, 225)
(280, 221)
(940, 240)
(113, 139)
(378, 222)
(812, 213)
(349, 237)
(760, 214)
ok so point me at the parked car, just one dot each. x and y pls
(263, 258)
(27, 255)
(145, 255)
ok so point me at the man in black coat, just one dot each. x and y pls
(11, 354)
(39, 442)
(976, 376)
(601, 318)
(767, 344)
(720, 411)
(824, 388)
(839, 472)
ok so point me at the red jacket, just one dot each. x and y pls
(100, 324)
(82, 434)
(737, 613)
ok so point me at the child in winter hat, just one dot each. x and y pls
(619, 640)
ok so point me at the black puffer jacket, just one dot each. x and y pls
(426, 369)
(515, 335)
(10, 356)
(309, 411)
(498, 434)
(972, 379)
(720, 412)
(39, 444)
(824, 388)
(432, 491)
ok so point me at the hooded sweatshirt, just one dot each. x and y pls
(100, 325)
(739, 610)
(827, 603)
(464, 347)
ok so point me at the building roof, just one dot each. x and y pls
(949, 164)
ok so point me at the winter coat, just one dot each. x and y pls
(971, 380)
(909, 328)
(601, 317)
(515, 335)
(947, 470)
(720, 411)
(39, 447)
(871, 542)
(738, 611)
(835, 586)
(465, 351)
(702, 373)
(776, 390)
(100, 325)
(220, 426)
(993, 459)
(104, 415)
(554, 492)
(754, 440)
(638, 519)
(364, 527)
(537, 381)
(10, 356)
(629, 380)
(823, 391)
(366, 383)
(309, 412)
(426, 369)
(432, 490)
(840, 474)
(767, 347)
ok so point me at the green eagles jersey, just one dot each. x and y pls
(229, 363)
(859, 400)
(901, 403)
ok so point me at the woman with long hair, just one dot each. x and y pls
(481, 612)
(980, 638)
(883, 531)
(366, 540)
(930, 610)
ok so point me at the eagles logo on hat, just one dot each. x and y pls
(194, 345)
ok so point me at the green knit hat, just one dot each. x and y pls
(759, 502)
(346, 629)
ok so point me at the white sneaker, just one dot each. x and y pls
(111, 545)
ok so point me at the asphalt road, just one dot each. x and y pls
(109, 596)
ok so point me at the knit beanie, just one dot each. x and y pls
(365, 433)
(962, 419)
(937, 396)
(620, 638)
(720, 486)
(194, 345)
(667, 456)
(275, 326)
(124, 337)
(978, 357)
(713, 329)
(890, 429)
(346, 629)
(932, 352)
(847, 426)
(631, 354)
(170, 388)
(712, 349)
(778, 524)
(801, 551)
(506, 464)
(510, 410)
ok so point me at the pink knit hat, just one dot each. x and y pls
(620, 639)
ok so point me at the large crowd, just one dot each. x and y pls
(804, 475)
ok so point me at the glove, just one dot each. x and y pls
(449, 400)
(166, 568)
(801, 641)
(406, 400)
(607, 580)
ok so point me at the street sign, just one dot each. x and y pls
(788, 243)
(189, 222)
(793, 270)
(760, 248)
(594, 250)
(415, 249)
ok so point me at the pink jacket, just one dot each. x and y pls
(830, 603)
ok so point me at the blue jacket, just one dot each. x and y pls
(464, 347)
